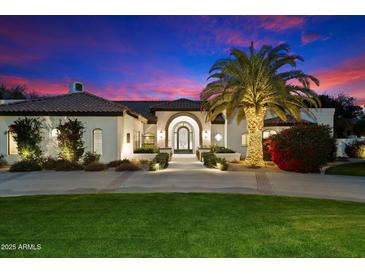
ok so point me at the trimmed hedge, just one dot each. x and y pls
(49, 163)
(3, 162)
(162, 159)
(145, 150)
(96, 166)
(222, 164)
(25, 165)
(63, 165)
(218, 149)
(356, 149)
(127, 166)
(302, 148)
(91, 157)
(117, 163)
(209, 159)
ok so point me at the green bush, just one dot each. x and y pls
(127, 166)
(91, 157)
(70, 140)
(3, 162)
(145, 150)
(302, 148)
(117, 163)
(209, 159)
(49, 163)
(218, 149)
(356, 149)
(161, 161)
(95, 166)
(64, 165)
(222, 164)
(28, 137)
(25, 165)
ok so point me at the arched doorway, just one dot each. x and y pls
(183, 133)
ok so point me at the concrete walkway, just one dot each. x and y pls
(185, 174)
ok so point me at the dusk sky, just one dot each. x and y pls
(166, 57)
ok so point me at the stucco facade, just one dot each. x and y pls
(179, 125)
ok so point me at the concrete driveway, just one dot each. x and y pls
(185, 174)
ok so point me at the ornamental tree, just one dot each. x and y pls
(70, 140)
(27, 134)
(254, 82)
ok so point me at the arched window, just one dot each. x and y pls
(12, 145)
(98, 141)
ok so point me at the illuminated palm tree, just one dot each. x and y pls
(250, 83)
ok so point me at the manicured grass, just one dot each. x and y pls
(353, 169)
(182, 225)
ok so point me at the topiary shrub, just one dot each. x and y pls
(70, 140)
(222, 164)
(127, 166)
(116, 163)
(209, 159)
(49, 163)
(218, 149)
(3, 162)
(27, 135)
(145, 150)
(356, 149)
(91, 157)
(64, 165)
(25, 165)
(161, 161)
(302, 148)
(95, 166)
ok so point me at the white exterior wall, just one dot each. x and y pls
(130, 125)
(217, 129)
(49, 144)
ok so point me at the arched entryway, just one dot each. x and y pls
(183, 133)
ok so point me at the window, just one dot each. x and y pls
(12, 145)
(128, 138)
(244, 139)
(267, 133)
(55, 132)
(98, 141)
(149, 140)
(137, 139)
(218, 137)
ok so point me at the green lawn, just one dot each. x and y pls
(182, 225)
(353, 169)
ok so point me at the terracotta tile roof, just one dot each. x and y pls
(276, 121)
(78, 103)
(178, 105)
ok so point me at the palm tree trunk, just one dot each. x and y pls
(255, 124)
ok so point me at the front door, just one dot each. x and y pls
(183, 140)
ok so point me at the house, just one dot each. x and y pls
(115, 129)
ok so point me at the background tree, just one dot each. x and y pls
(70, 140)
(346, 115)
(251, 83)
(16, 92)
(27, 134)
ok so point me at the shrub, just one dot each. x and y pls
(3, 162)
(209, 159)
(356, 149)
(95, 166)
(116, 163)
(161, 161)
(27, 135)
(91, 157)
(145, 150)
(266, 151)
(49, 163)
(25, 165)
(222, 164)
(64, 165)
(127, 166)
(218, 149)
(70, 140)
(302, 148)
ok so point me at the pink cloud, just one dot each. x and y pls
(308, 38)
(278, 23)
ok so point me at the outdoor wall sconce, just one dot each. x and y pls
(160, 134)
(206, 134)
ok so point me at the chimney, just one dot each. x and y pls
(76, 87)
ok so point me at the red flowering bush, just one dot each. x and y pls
(302, 148)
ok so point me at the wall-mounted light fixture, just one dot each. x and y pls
(206, 134)
(160, 135)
